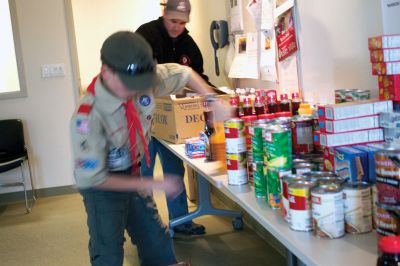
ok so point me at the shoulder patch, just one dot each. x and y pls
(84, 108)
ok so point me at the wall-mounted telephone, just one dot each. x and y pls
(219, 38)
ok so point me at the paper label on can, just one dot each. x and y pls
(299, 198)
(328, 214)
(358, 210)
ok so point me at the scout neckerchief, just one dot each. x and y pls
(133, 122)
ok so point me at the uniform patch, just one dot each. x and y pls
(84, 146)
(145, 100)
(87, 164)
(82, 126)
(119, 158)
(185, 60)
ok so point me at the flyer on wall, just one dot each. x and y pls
(286, 35)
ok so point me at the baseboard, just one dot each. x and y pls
(14, 197)
(250, 222)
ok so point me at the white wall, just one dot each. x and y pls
(94, 22)
(47, 109)
(333, 38)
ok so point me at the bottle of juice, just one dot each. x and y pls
(208, 129)
(272, 105)
(247, 108)
(218, 147)
(296, 101)
(259, 105)
(233, 101)
(284, 104)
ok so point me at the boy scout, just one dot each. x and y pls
(109, 131)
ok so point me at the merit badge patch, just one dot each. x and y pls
(82, 126)
(87, 164)
(145, 100)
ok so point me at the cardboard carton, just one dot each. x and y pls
(177, 119)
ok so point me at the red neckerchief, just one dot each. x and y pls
(133, 122)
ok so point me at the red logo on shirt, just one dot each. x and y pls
(184, 60)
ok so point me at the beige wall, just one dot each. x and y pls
(47, 109)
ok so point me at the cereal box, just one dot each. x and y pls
(351, 164)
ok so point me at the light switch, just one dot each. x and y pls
(53, 70)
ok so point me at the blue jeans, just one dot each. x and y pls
(109, 213)
(171, 164)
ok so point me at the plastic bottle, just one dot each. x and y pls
(296, 101)
(284, 104)
(218, 148)
(209, 129)
(389, 247)
(247, 108)
(233, 101)
(259, 105)
(272, 105)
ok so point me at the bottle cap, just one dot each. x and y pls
(258, 99)
(295, 95)
(390, 244)
(283, 96)
(246, 100)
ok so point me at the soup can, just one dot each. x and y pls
(328, 210)
(387, 220)
(235, 135)
(299, 194)
(357, 207)
(236, 168)
(285, 181)
(302, 134)
(274, 193)
(277, 145)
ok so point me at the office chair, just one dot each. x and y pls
(13, 154)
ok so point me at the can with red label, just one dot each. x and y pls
(236, 168)
(387, 219)
(302, 134)
(357, 207)
(327, 210)
(299, 194)
(248, 119)
(250, 175)
(285, 181)
(235, 136)
(387, 168)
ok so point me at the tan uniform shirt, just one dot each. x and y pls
(100, 136)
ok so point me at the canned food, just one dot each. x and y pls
(298, 160)
(328, 211)
(331, 179)
(302, 134)
(250, 167)
(301, 168)
(284, 181)
(387, 168)
(277, 147)
(299, 193)
(351, 95)
(387, 219)
(236, 168)
(235, 135)
(259, 180)
(340, 96)
(274, 187)
(283, 121)
(357, 207)
(319, 174)
(363, 94)
(256, 131)
(247, 124)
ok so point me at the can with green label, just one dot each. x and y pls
(259, 180)
(274, 193)
(256, 131)
(277, 142)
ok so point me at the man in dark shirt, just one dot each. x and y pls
(171, 43)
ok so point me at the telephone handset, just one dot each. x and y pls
(219, 38)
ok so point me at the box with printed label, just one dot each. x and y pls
(385, 41)
(384, 55)
(346, 125)
(351, 164)
(351, 138)
(177, 119)
(353, 109)
(386, 68)
(370, 150)
(328, 157)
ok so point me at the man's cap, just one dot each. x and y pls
(178, 9)
(128, 54)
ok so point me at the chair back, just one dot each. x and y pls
(11, 137)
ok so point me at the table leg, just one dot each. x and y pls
(204, 206)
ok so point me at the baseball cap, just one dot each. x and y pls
(131, 57)
(178, 9)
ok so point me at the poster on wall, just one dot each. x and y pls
(262, 14)
(286, 35)
(288, 76)
(245, 64)
(268, 56)
(236, 15)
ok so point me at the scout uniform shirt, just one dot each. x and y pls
(100, 137)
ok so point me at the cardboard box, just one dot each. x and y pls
(353, 109)
(177, 119)
(351, 164)
(346, 125)
(370, 150)
(385, 41)
(350, 138)
(389, 87)
(384, 55)
(386, 68)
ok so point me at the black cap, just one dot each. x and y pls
(129, 54)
